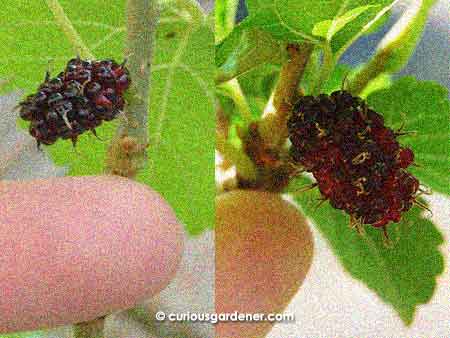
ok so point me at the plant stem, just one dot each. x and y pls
(273, 127)
(144, 315)
(328, 65)
(91, 329)
(233, 90)
(377, 17)
(372, 69)
(127, 152)
(395, 49)
(244, 165)
(66, 26)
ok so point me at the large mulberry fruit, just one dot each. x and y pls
(76, 100)
(357, 162)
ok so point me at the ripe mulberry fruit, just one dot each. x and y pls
(80, 98)
(357, 162)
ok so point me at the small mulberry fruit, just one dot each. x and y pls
(80, 98)
(357, 162)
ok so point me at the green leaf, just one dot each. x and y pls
(400, 42)
(342, 76)
(244, 49)
(225, 13)
(365, 23)
(288, 21)
(182, 123)
(258, 85)
(181, 119)
(403, 275)
(328, 28)
(382, 81)
(296, 20)
(378, 23)
(423, 106)
(397, 46)
(338, 80)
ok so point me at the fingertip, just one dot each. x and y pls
(99, 243)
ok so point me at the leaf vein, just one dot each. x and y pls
(200, 81)
(66, 26)
(107, 37)
(168, 86)
(289, 28)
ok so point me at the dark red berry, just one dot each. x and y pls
(356, 160)
(78, 99)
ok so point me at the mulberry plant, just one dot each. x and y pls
(359, 146)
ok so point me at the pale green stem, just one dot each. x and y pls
(127, 153)
(372, 69)
(66, 26)
(396, 48)
(91, 329)
(233, 90)
(142, 16)
(244, 165)
(328, 64)
(273, 127)
(377, 17)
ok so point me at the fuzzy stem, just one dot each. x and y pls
(377, 17)
(274, 126)
(145, 316)
(244, 165)
(327, 68)
(127, 152)
(91, 329)
(66, 26)
(233, 90)
(373, 68)
(395, 49)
